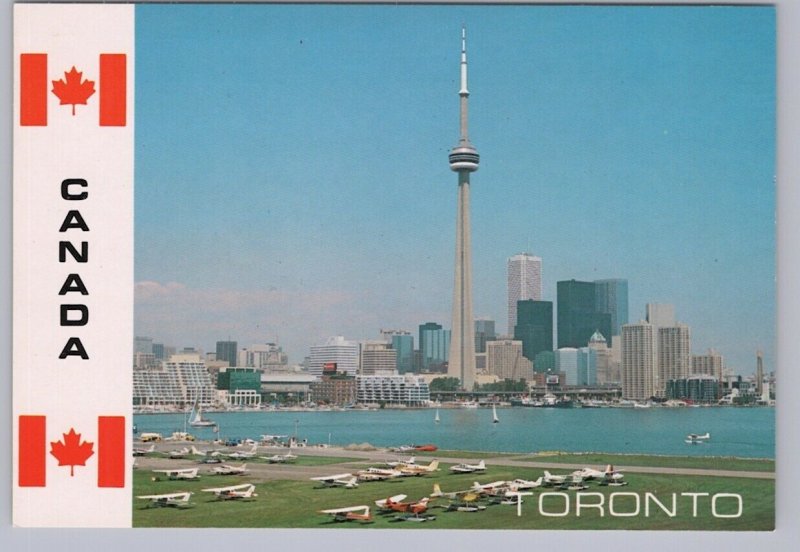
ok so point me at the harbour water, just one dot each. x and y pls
(744, 432)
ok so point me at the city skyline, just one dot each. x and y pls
(311, 198)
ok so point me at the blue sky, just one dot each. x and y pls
(292, 179)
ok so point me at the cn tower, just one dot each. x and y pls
(463, 160)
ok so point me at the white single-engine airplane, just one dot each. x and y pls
(468, 468)
(352, 513)
(234, 492)
(242, 454)
(186, 473)
(280, 458)
(550, 479)
(412, 461)
(144, 451)
(177, 454)
(418, 469)
(175, 500)
(346, 480)
(610, 474)
(227, 469)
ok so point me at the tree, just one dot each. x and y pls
(445, 384)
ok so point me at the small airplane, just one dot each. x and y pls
(402, 448)
(175, 500)
(523, 484)
(696, 439)
(609, 474)
(576, 484)
(377, 474)
(399, 462)
(467, 495)
(416, 508)
(273, 438)
(279, 458)
(550, 479)
(351, 513)
(187, 473)
(417, 469)
(234, 492)
(227, 469)
(242, 454)
(469, 468)
(143, 451)
(178, 453)
(346, 480)
(489, 488)
(395, 499)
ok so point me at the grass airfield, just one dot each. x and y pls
(295, 502)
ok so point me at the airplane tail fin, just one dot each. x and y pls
(433, 465)
(197, 452)
(437, 490)
(482, 465)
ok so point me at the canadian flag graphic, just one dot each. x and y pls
(71, 450)
(72, 89)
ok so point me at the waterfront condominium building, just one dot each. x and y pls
(407, 389)
(577, 317)
(335, 350)
(611, 296)
(711, 364)
(674, 356)
(177, 382)
(534, 327)
(638, 361)
(524, 282)
(504, 359)
(228, 351)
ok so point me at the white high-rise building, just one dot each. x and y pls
(337, 350)
(378, 358)
(524, 282)
(638, 360)
(674, 356)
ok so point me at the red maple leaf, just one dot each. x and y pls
(71, 452)
(70, 89)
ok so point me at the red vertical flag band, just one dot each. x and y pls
(111, 451)
(32, 451)
(33, 90)
(113, 89)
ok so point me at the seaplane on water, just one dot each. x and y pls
(417, 469)
(346, 480)
(234, 492)
(143, 451)
(227, 469)
(174, 500)
(696, 439)
(196, 417)
(351, 513)
(468, 468)
(187, 473)
(241, 453)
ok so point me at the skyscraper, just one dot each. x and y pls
(578, 317)
(611, 296)
(484, 332)
(534, 327)
(463, 160)
(345, 354)
(228, 350)
(674, 356)
(524, 282)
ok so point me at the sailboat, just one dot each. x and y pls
(495, 419)
(196, 417)
(436, 418)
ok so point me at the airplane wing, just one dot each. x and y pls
(396, 498)
(364, 508)
(184, 496)
(332, 477)
(244, 486)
